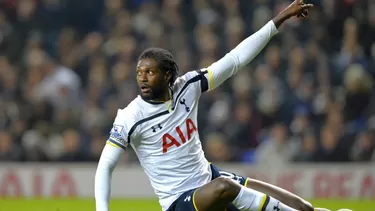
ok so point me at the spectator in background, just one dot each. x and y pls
(97, 145)
(60, 86)
(276, 149)
(301, 122)
(244, 129)
(34, 142)
(217, 149)
(5, 32)
(269, 96)
(363, 148)
(358, 94)
(307, 149)
(330, 147)
(8, 150)
(72, 152)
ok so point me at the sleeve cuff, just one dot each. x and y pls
(115, 144)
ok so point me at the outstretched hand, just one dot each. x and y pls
(298, 8)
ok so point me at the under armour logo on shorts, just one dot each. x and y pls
(188, 198)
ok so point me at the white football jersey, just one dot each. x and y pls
(165, 138)
(165, 135)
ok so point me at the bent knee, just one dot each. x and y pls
(226, 188)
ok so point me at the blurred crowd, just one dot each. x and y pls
(66, 66)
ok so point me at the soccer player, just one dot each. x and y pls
(161, 126)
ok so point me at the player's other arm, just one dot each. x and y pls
(249, 48)
(110, 156)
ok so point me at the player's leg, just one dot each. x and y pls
(220, 192)
(206, 200)
(266, 201)
(216, 195)
(279, 194)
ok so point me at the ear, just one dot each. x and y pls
(168, 76)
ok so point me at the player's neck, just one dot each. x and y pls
(163, 98)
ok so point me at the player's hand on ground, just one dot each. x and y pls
(298, 8)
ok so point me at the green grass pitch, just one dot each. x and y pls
(143, 204)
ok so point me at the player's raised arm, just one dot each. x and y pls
(249, 48)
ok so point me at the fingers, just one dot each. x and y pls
(307, 6)
(304, 14)
(305, 10)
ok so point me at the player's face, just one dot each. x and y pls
(151, 80)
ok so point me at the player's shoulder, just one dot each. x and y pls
(190, 77)
(131, 113)
(125, 121)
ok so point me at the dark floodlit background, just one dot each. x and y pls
(66, 66)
